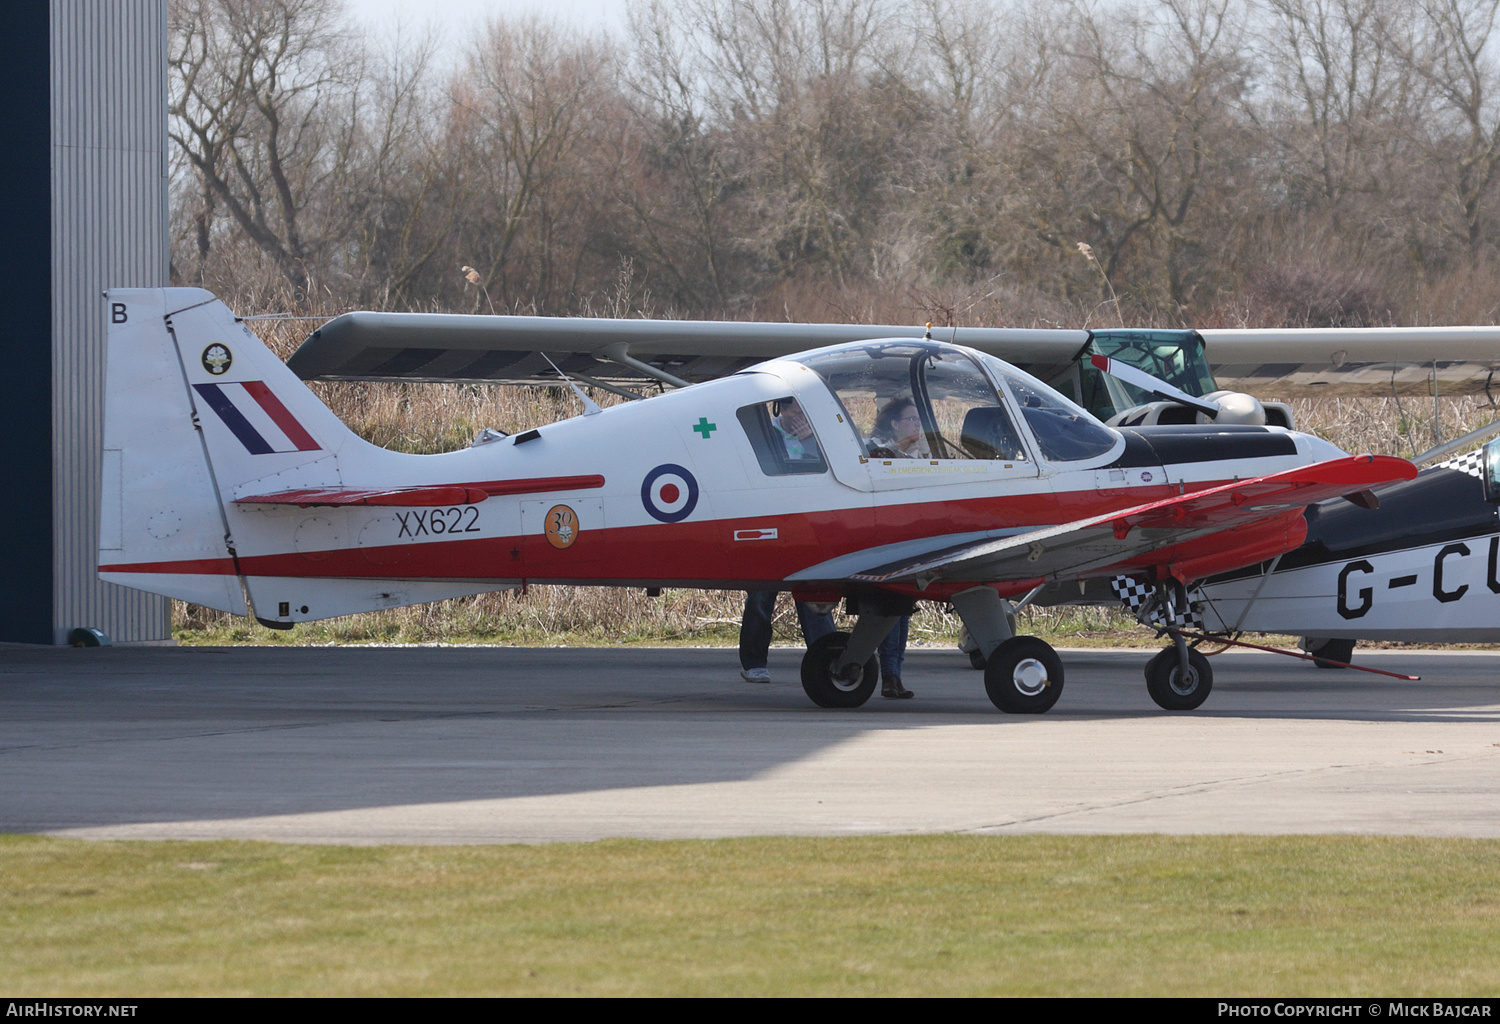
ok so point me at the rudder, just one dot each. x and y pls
(161, 526)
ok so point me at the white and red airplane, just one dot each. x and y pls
(228, 484)
(1421, 537)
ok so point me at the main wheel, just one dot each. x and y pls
(1335, 650)
(831, 691)
(976, 660)
(1168, 686)
(1023, 676)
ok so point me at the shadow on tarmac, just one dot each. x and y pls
(119, 735)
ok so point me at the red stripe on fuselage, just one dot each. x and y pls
(187, 567)
(701, 551)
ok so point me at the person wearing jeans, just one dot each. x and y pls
(892, 652)
(755, 632)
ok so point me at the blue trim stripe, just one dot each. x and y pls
(234, 419)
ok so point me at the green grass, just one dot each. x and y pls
(1016, 915)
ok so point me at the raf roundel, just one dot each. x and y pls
(669, 493)
(217, 359)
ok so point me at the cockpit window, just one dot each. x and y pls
(969, 416)
(782, 438)
(919, 400)
(1176, 357)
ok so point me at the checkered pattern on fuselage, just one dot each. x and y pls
(1133, 594)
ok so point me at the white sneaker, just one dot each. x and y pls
(755, 675)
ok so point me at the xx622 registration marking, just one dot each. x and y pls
(424, 522)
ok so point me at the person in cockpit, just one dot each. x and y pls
(897, 433)
(796, 433)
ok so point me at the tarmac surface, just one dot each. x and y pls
(500, 745)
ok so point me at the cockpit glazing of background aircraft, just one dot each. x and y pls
(227, 483)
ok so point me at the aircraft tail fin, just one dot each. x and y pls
(196, 409)
(213, 448)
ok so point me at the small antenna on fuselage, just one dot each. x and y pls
(590, 407)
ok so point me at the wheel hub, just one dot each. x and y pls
(1030, 677)
(846, 679)
(1184, 683)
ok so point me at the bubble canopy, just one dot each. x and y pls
(957, 394)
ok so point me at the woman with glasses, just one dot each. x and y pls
(897, 433)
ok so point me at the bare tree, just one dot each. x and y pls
(1451, 47)
(1343, 100)
(264, 106)
(401, 217)
(527, 110)
(1151, 106)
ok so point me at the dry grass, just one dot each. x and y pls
(1389, 426)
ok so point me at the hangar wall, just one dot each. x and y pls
(26, 344)
(108, 138)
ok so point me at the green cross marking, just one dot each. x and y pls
(704, 427)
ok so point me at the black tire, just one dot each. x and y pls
(1023, 676)
(1337, 650)
(819, 682)
(976, 660)
(1165, 683)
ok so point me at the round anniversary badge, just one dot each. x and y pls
(669, 493)
(562, 526)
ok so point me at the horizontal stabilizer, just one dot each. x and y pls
(420, 497)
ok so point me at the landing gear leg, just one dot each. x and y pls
(988, 622)
(1178, 678)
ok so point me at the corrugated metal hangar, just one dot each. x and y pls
(85, 208)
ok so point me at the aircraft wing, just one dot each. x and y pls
(446, 347)
(450, 347)
(1355, 361)
(1250, 519)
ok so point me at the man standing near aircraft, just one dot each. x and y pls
(898, 432)
(755, 632)
(760, 605)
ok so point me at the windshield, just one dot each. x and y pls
(1173, 356)
(1063, 431)
(926, 400)
(918, 400)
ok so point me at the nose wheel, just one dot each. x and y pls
(1175, 689)
(829, 687)
(1023, 676)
